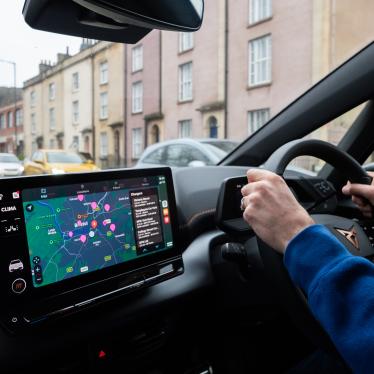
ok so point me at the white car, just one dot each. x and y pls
(186, 152)
(10, 165)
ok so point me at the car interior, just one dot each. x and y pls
(195, 291)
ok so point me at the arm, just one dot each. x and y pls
(340, 290)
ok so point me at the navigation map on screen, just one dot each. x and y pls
(78, 229)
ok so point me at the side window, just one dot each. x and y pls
(37, 157)
(156, 157)
(182, 155)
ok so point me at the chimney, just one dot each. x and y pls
(44, 66)
(63, 56)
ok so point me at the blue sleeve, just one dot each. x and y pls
(340, 290)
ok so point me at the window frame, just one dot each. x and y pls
(254, 71)
(186, 43)
(104, 73)
(75, 112)
(256, 6)
(104, 146)
(52, 91)
(52, 116)
(252, 126)
(185, 86)
(136, 143)
(75, 81)
(137, 57)
(104, 106)
(137, 97)
(181, 125)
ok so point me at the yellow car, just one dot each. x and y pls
(51, 161)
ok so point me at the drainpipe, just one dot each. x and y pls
(125, 110)
(93, 106)
(226, 47)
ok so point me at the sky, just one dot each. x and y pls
(25, 46)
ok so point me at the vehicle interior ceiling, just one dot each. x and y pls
(222, 312)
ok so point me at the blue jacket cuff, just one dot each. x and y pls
(311, 254)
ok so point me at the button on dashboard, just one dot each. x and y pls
(19, 286)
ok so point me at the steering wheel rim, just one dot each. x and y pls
(291, 297)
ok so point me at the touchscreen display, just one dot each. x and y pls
(77, 229)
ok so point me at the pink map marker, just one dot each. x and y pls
(80, 197)
(79, 223)
(107, 207)
(112, 227)
(83, 238)
(71, 234)
(94, 205)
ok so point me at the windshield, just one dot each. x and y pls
(8, 158)
(109, 101)
(63, 158)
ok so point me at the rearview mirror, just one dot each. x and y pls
(124, 21)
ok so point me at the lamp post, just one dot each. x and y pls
(15, 99)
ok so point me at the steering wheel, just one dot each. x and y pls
(292, 298)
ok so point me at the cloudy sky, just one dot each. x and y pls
(25, 46)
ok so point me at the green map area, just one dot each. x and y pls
(69, 236)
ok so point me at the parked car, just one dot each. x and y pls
(10, 165)
(186, 152)
(45, 161)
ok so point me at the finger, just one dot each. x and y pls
(251, 188)
(359, 201)
(362, 190)
(256, 175)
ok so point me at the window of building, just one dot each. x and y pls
(75, 81)
(32, 98)
(137, 143)
(256, 119)
(137, 58)
(19, 117)
(260, 61)
(103, 145)
(75, 144)
(259, 10)
(104, 105)
(104, 74)
(52, 119)
(10, 120)
(185, 82)
(137, 97)
(52, 91)
(75, 112)
(2, 121)
(33, 123)
(185, 128)
(186, 41)
(52, 143)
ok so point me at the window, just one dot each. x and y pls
(75, 144)
(2, 121)
(185, 128)
(186, 41)
(137, 58)
(103, 145)
(181, 155)
(213, 127)
(19, 117)
(75, 112)
(137, 97)
(260, 61)
(52, 91)
(259, 10)
(52, 119)
(104, 79)
(32, 98)
(33, 123)
(52, 143)
(75, 81)
(256, 119)
(137, 143)
(185, 82)
(10, 119)
(156, 157)
(104, 105)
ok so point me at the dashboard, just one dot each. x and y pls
(166, 263)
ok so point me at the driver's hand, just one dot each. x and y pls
(362, 196)
(272, 210)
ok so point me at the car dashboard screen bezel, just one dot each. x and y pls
(16, 243)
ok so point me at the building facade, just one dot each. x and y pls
(11, 129)
(78, 104)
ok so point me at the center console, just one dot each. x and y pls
(71, 241)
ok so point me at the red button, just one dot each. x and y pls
(18, 286)
(166, 220)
